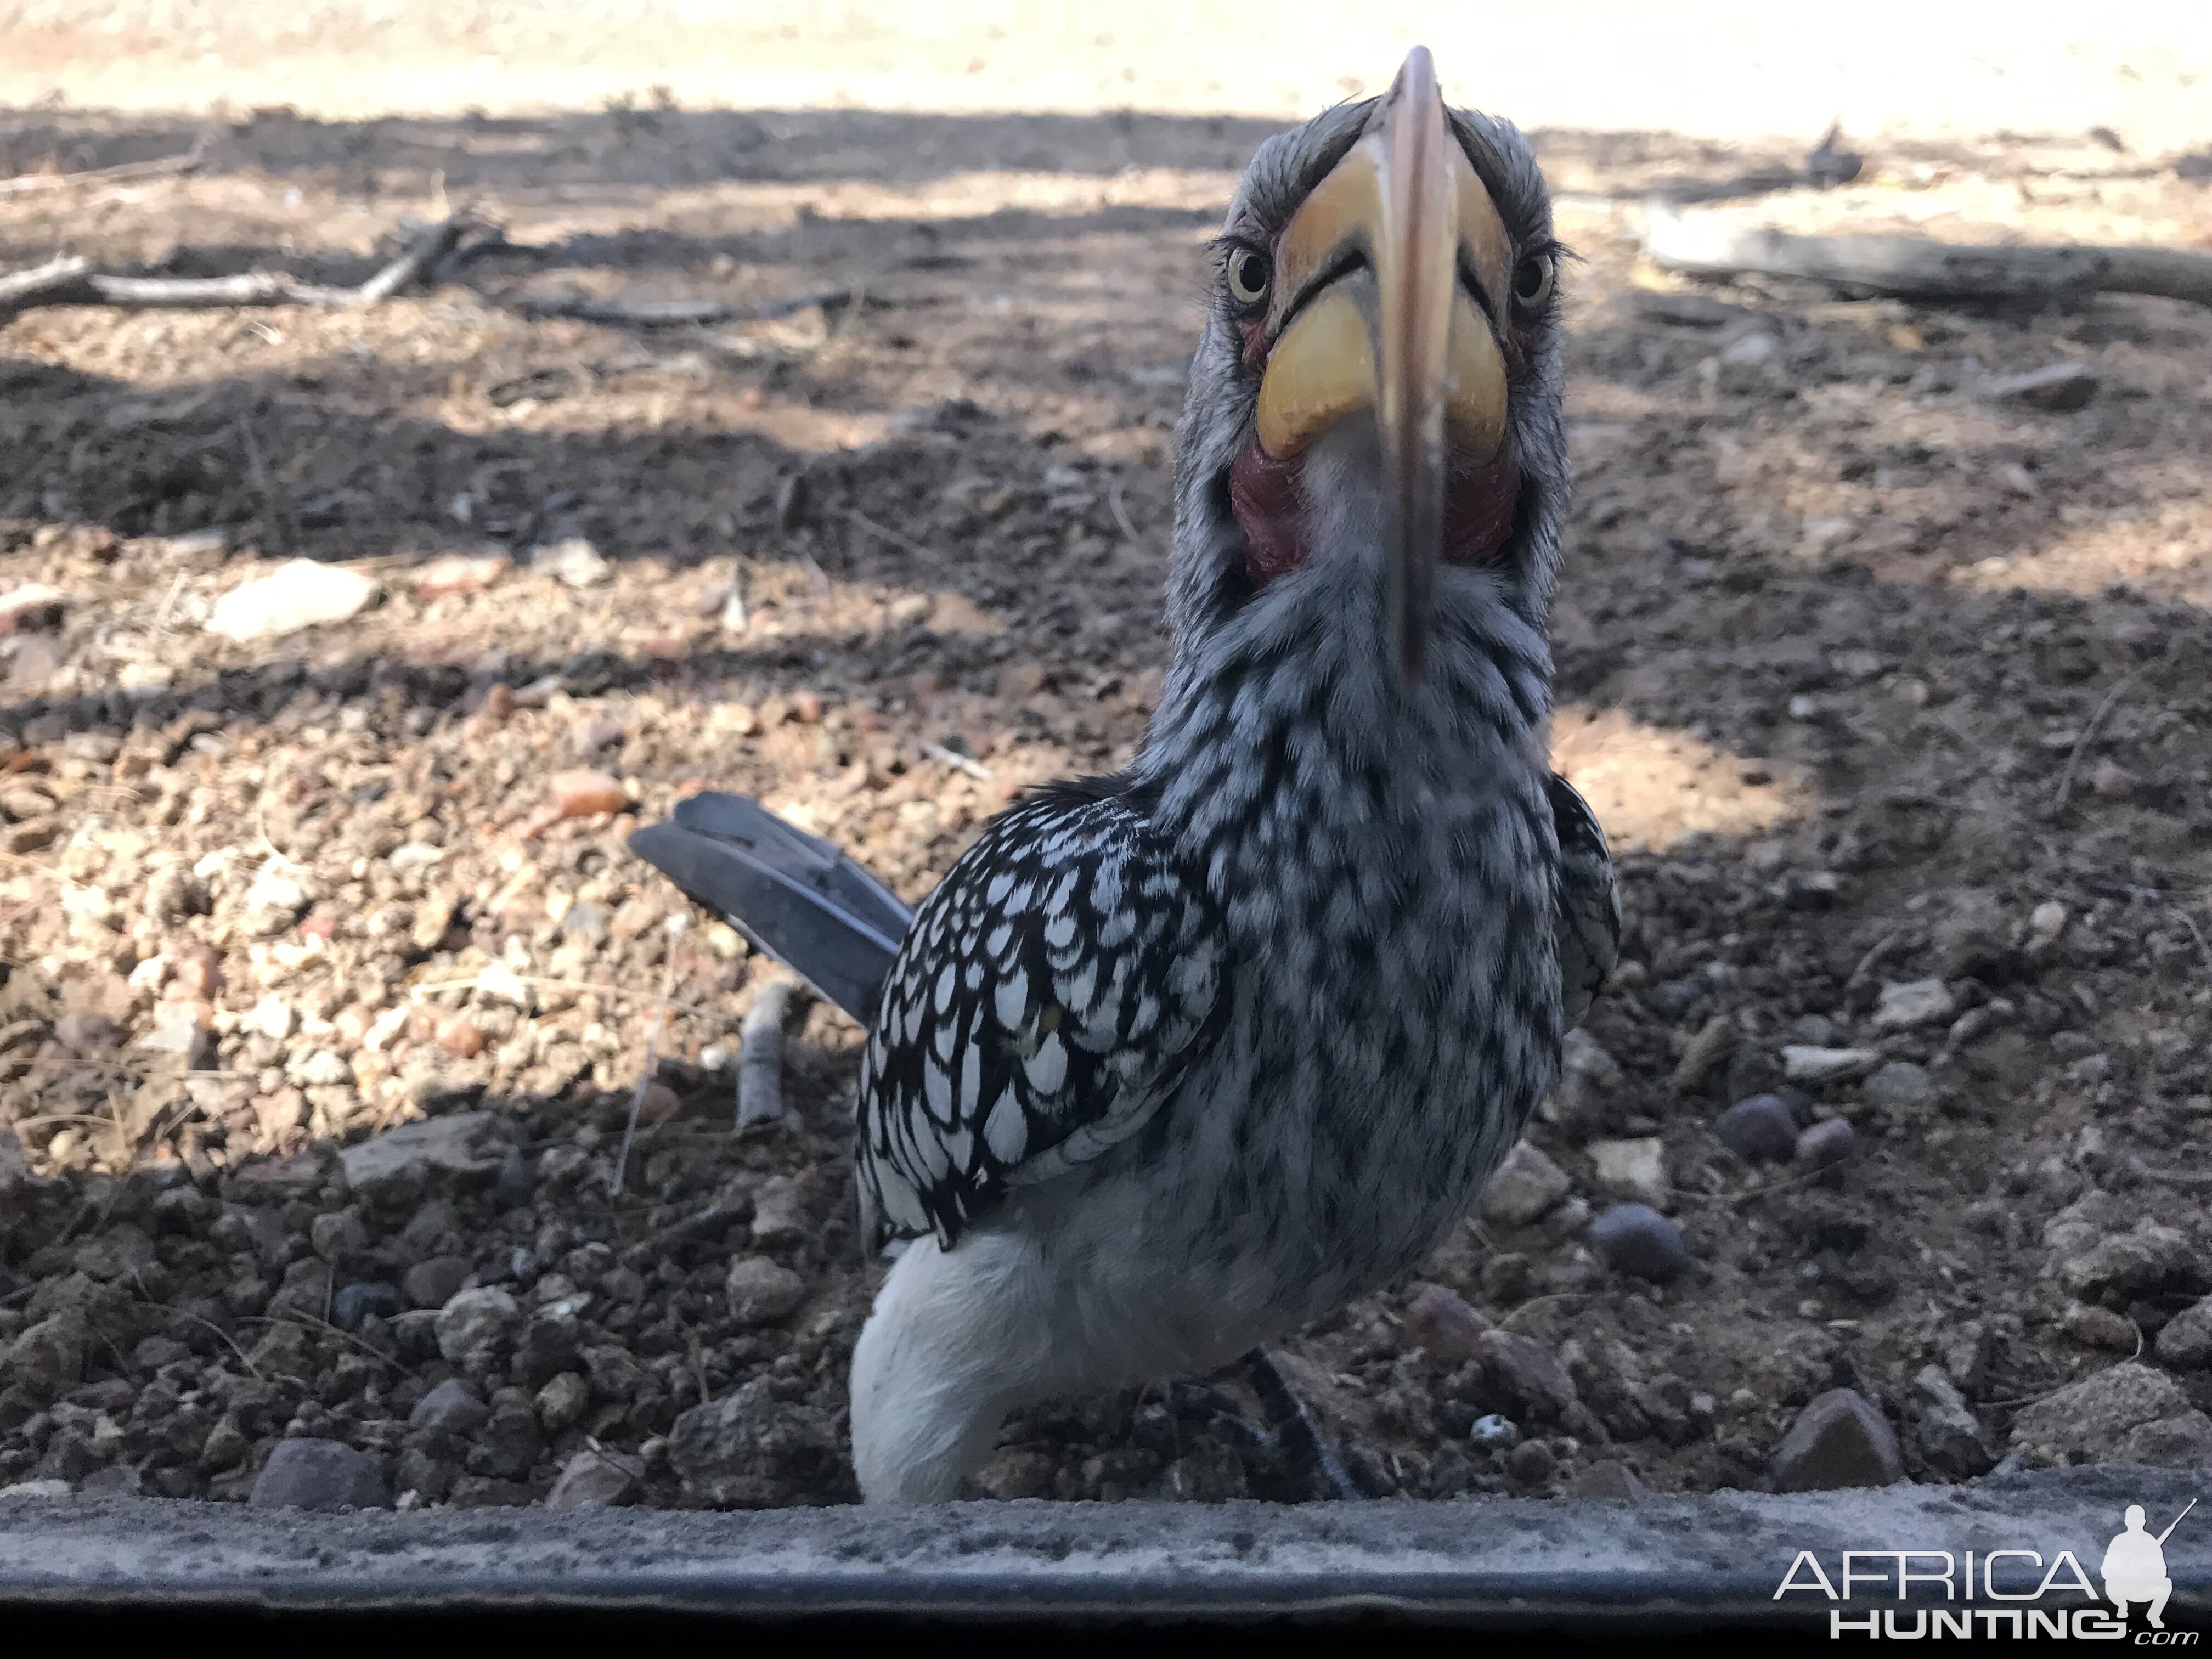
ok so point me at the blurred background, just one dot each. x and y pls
(1729, 69)
(537, 412)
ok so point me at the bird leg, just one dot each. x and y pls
(1296, 1432)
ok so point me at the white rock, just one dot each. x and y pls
(575, 562)
(498, 980)
(388, 1026)
(1804, 1064)
(415, 856)
(320, 1069)
(299, 593)
(1526, 1185)
(1913, 1004)
(271, 1016)
(1633, 1168)
(2048, 921)
(274, 891)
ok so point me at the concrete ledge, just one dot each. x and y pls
(1700, 1561)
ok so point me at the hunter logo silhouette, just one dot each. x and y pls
(2134, 1569)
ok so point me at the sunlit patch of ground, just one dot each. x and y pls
(1650, 787)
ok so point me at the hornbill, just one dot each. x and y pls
(1174, 1062)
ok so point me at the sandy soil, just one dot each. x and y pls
(1874, 679)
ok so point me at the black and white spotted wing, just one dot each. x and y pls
(1589, 900)
(1045, 1002)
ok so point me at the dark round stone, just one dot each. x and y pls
(1761, 1127)
(1635, 1238)
(1825, 1144)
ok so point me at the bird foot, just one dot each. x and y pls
(1296, 1432)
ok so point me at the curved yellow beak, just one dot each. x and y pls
(1368, 313)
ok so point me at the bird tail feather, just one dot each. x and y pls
(792, 895)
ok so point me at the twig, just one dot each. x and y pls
(73, 282)
(1121, 511)
(675, 313)
(2088, 736)
(957, 761)
(1915, 268)
(760, 1063)
(29, 184)
(676, 926)
(891, 536)
(178, 1313)
(21, 289)
(1876, 956)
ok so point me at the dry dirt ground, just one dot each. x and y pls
(1875, 680)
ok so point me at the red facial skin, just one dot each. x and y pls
(1480, 500)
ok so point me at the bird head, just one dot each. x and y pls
(1372, 437)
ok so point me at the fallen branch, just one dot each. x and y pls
(1914, 268)
(167, 166)
(760, 1068)
(72, 282)
(675, 313)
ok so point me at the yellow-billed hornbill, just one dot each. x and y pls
(1174, 1062)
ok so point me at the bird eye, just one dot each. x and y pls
(1249, 273)
(1532, 280)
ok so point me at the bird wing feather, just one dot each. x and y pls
(1048, 996)
(1589, 900)
(792, 893)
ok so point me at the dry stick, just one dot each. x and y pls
(73, 282)
(760, 1061)
(675, 313)
(1915, 268)
(29, 184)
(2088, 736)
(956, 759)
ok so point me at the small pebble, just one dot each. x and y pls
(356, 1302)
(452, 1406)
(460, 1037)
(434, 1283)
(1440, 1320)
(1762, 1126)
(1530, 1463)
(575, 562)
(1635, 1238)
(2048, 920)
(1826, 1144)
(1840, 1439)
(581, 793)
(1898, 1084)
(460, 573)
(1494, 1432)
(592, 1480)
